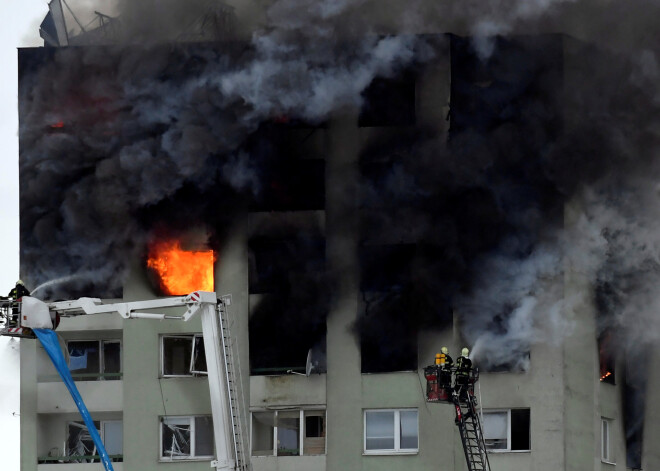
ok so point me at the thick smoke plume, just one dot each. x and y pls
(118, 139)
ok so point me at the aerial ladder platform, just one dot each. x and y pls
(29, 317)
(442, 386)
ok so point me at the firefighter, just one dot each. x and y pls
(463, 369)
(16, 295)
(445, 369)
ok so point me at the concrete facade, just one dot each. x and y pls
(562, 390)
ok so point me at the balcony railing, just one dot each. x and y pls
(82, 377)
(77, 459)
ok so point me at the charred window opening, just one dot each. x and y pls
(389, 102)
(606, 358)
(291, 176)
(184, 438)
(516, 84)
(94, 359)
(388, 326)
(288, 306)
(517, 356)
(182, 355)
(314, 443)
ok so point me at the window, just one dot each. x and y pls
(605, 449)
(279, 433)
(95, 359)
(507, 430)
(606, 358)
(185, 438)
(80, 443)
(389, 102)
(391, 431)
(182, 355)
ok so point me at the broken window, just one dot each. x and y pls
(288, 318)
(186, 437)
(95, 359)
(507, 430)
(279, 433)
(81, 446)
(182, 355)
(391, 431)
(389, 102)
(387, 326)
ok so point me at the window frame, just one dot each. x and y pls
(101, 348)
(100, 430)
(301, 434)
(193, 439)
(397, 450)
(508, 430)
(606, 441)
(191, 373)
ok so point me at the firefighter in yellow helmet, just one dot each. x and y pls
(463, 369)
(16, 294)
(445, 369)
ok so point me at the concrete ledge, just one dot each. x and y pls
(104, 396)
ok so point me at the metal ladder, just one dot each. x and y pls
(234, 387)
(469, 426)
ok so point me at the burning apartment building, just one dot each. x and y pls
(369, 182)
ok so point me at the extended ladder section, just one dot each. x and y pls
(469, 427)
(234, 388)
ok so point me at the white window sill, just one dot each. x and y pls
(389, 452)
(613, 463)
(509, 451)
(184, 459)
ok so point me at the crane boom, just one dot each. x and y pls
(36, 314)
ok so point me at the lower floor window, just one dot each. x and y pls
(606, 454)
(391, 431)
(288, 432)
(507, 430)
(81, 445)
(186, 437)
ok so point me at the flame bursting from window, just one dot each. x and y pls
(605, 376)
(180, 271)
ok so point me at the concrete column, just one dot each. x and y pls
(344, 428)
(29, 422)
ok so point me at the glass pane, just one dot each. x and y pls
(79, 440)
(203, 436)
(199, 356)
(176, 437)
(288, 433)
(263, 429)
(111, 357)
(408, 429)
(113, 437)
(495, 430)
(176, 355)
(84, 357)
(380, 430)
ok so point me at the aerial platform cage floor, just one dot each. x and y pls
(48, 339)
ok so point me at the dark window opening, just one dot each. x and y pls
(287, 319)
(520, 432)
(94, 359)
(389, 102)
(515, 84)
(606, 359)
(183, 355)
(517, 355)
(387, 327)
(291, 185)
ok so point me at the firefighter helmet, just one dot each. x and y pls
(20, 282)
(444, 350)
(465, 352)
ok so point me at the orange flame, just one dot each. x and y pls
(606, 375)
(180, 271)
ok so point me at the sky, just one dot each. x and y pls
(20, 28)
